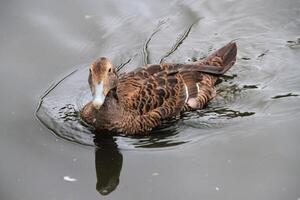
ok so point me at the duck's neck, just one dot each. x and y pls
(108, 116)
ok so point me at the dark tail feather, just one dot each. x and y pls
(217, 63)
(227, 55)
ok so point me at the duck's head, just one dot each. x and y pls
(102, 79)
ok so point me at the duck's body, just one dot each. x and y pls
(136, 102)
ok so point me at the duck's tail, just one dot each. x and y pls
(215, 64)
(223, 58)
(200, 87)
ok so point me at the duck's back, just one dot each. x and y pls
(168, 89)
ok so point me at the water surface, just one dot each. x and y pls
(244, 145)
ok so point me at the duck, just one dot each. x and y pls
(136, 102)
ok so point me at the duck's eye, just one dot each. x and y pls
(109, 70)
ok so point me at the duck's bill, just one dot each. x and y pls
(99, 96)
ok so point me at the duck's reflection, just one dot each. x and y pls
(108, 163)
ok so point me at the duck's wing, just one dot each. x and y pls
(199, 77)
(142, 92)
(157, 92)
(149, 99)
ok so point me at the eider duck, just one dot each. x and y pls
(136, 102)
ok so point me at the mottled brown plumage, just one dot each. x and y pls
(136, 102)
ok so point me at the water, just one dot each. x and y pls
(244, 145)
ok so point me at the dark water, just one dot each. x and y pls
(244, 145)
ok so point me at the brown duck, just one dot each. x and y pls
(138, 101)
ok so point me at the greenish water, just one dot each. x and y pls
(244, 145)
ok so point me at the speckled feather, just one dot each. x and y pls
(151, 94)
